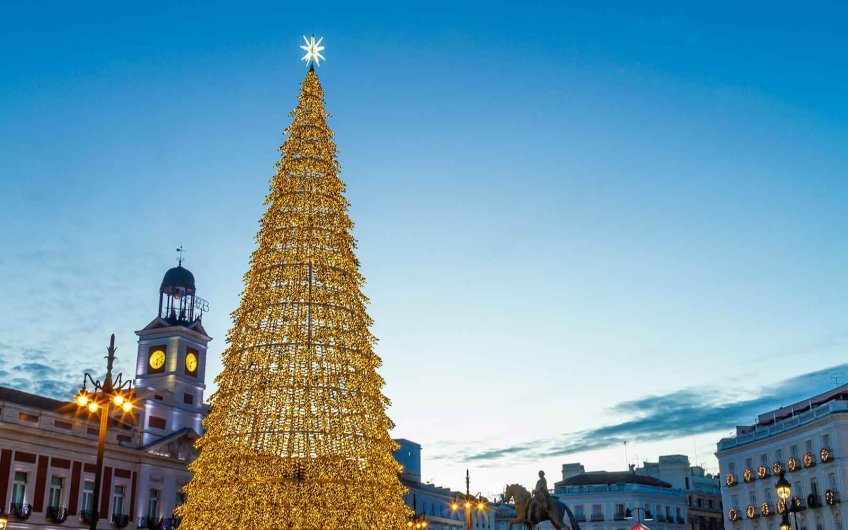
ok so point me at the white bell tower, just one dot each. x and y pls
(171, 365)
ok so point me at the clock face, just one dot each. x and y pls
(157, 359)
(191, 363)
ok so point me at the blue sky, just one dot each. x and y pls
(567, 214)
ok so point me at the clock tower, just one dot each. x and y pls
(171, 365)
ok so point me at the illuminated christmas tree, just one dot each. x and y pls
(298, 436)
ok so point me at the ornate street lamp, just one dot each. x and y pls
(3, 521)
(628, 514)
(784, 492)
(102, 396)
(469, 502)
(416, 520)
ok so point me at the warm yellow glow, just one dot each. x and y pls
(783, 488)
(409, 524)
(157, 359)
(127, 406)
(298, 434)
(467, 505)
(481, 505)
(82, 399)
(424, 524)
(93, 406)
(191, 362)
(118, 399)
(3, 522)
(454, 506)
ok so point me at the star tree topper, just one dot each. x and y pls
(313, 51)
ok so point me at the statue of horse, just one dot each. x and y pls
(556, 512)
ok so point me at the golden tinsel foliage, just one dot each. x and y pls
(298, 436)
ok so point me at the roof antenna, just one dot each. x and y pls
(180, 256)
(835, 380)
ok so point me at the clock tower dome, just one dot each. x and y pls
(171, 365)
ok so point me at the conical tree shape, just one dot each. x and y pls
(297, 437)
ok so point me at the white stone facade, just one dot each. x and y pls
(809, 442)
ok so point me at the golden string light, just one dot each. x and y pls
(298, 435)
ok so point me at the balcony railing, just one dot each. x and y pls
(56, 514)
(764, 431)
(120, 521)
(20, 511)
(681, 520)
(597, 517)
(580, 517)
(619, 516)
(85, 516)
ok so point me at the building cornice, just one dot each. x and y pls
(833, 410)
(34, 437)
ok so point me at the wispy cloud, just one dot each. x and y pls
(68, 300)
(687, 412)
(40, 374)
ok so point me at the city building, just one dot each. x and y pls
(600, 500)
(807, 442)
(435, 501)
(702, 490)
(48, 447)
(672, 493)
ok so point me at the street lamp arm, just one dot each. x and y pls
(103, 394)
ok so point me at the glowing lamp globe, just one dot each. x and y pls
(783, 488)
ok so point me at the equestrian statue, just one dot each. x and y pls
(533, 508)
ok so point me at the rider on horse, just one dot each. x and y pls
(540, 495)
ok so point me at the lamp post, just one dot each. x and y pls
(469, 502)
(628, 515)
(417, 520)
(784, 492)
(101, 398)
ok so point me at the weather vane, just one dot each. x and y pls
(180, 255)
(313, 50)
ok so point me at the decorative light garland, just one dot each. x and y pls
(733, 514)
(830, 497)
(777, 468)
(793, 464)
(809, 460)
(762, 472)
(730, 479)
(748, 475)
